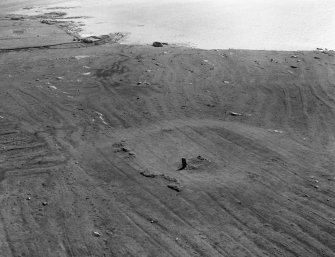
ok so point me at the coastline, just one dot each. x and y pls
(205, 24)
(92, 136)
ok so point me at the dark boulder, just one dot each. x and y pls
(159, 44)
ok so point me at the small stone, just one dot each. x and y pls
(152, 220)
(174, 187)
(45, 203)
(235, 114)
(96, 234)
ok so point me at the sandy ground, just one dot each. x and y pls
(91, 141)
(16, 34)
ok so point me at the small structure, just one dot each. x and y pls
(183, 164)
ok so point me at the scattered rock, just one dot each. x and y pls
(56, 14)
(152, 220)
(78, 57)
(90, 40)
(226, 82)
(198, 163)
(148, 175)
(294, 67)
(96, 234)
(123, 149)
(45, 203)
(210, 105)
(28, 198)
(163, 176)
(276, 131)
(235, 114)
(49, 22)
(16, 18)
(168, 178)
(174, 187)
(294, 56)
(316, 57)
(158, 44)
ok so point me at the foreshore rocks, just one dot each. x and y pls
(158, 44)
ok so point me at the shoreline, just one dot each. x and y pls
(72, 28)
(145, 28)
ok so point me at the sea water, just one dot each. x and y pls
(208, 24)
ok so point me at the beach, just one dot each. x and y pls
(209, 24)
(116, 149)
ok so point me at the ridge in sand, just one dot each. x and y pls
(92, 138)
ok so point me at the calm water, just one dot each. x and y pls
(244, 24)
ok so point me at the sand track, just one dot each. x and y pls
(91, 140)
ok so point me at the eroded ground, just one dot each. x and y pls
(91, 140)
